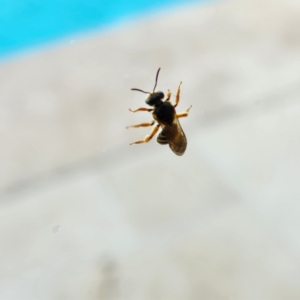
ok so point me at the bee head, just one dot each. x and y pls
(155, 98)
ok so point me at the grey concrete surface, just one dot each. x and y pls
(85, 216)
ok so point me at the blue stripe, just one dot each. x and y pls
(26, 23)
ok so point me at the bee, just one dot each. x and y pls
(164, 114)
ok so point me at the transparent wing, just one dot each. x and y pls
(175, 136)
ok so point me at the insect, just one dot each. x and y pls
(164, 114)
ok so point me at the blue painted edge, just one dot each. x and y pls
(31, 23)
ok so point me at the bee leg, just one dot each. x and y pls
(141, 109)
(184, 114)
(148, 137)
(178, 94)
(141, 125)
(168, 95)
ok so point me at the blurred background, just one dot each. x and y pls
(83, 215)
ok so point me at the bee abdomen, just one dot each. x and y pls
(162, 139)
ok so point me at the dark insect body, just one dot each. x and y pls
(165, 115)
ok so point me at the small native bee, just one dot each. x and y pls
(164, 114)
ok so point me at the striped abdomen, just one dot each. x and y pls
(162, 139)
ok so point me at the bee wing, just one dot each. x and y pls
(176, 137)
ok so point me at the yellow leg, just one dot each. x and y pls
(168, 95)
(148, 137)
(178, 95)
(184, 114)
(141, 125)
(141, 109)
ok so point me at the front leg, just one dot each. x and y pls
(141, 109)
(178, 95)
(168, 95)
(148, 137)
(184, 114)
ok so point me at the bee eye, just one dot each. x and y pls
(160, 95)
(155, 98)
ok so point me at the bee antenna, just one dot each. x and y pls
(140, 91)
(156, 79)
